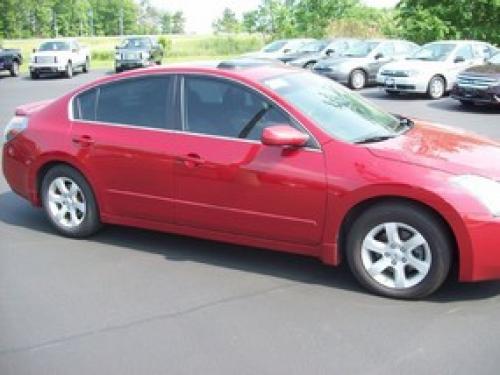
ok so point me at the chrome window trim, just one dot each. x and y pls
(181, 74)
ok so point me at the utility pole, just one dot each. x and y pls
(54, 23)
(121, 21)
(91, 21)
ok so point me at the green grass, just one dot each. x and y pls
(182, 47)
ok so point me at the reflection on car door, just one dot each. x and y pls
(228, 181)
(119, 130)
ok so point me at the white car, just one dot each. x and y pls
(433, 69)
(279, 48)
(59, 56)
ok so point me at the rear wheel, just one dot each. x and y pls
(309, 65)
(436, 87)
(392, 93)
(399, 250)
(14, 69)
(357, 79)
(467, 103)
(34, 75)
(69, 202)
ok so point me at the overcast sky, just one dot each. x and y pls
(200, 13)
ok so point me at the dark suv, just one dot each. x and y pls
(479, 84)
(137, 52)
(10, 60)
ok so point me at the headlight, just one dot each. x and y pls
(15, 126)
(485, 190)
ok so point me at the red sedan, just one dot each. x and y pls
(265, 156)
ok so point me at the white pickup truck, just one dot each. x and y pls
(59, 56)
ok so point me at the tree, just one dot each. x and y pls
(227, 23)
(178, 22)
(166, 23)
(426, 20)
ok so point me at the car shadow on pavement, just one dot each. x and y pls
(380, 94)
(16, 212)
(455, 106)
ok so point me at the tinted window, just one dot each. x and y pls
(139, 101)
(84, 105)
(218, 107)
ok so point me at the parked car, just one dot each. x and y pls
(59, 56)
(138, 52)
(433, 69)
(10, 60)
(246, 62)
(359, 65)
(269, 157)
(279, 48)
(310, 53)
(479, 84)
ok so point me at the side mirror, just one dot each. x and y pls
(117, 47)
(379, 56)
(287, 50)
(329, 51)
(74, 50)
(34, 50)
(283, 135)
(459, 59)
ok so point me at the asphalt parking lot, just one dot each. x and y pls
(130, 301)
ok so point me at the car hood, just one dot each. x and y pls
(487, 70)
(442, 148)
(416, 64)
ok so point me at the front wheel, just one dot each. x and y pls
(436, 87)
(399, 250)
(69, 70)
(14, 69)
(309, 65)
(86, 66)
(69, 202)
(357, 79)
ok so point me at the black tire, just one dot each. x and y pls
(86, 66)
(91, 222)
(118, 70)
(430, 227)
(34, 75)
(69, 70)
(435, 94)
(357, 79)
(14, 69)
(158, 62)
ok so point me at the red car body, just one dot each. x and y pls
(295, 200)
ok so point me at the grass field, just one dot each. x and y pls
(180, 47)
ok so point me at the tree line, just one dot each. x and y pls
(51, 18)
(417, 20)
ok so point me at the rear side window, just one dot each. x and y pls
(142, 102)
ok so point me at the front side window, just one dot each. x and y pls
(465, 52)
(142, 102)
(221, 108)
(274, 46)
(386, 49)
(361, 49)
(433, 52)
(338, 111)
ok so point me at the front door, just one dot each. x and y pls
(121, 133)
(226, 180)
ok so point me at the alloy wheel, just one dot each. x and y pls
(66, 202)
(396, 255)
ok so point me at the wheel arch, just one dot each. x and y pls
(356, 210)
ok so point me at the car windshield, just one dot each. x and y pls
(340, 112)
(54, 46)
(433, 52)
(274, 46)
(135, 43)
(361, 49)
(495, 59)
(313, 47)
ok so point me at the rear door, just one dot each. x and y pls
(228, 181)
(121, 133)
